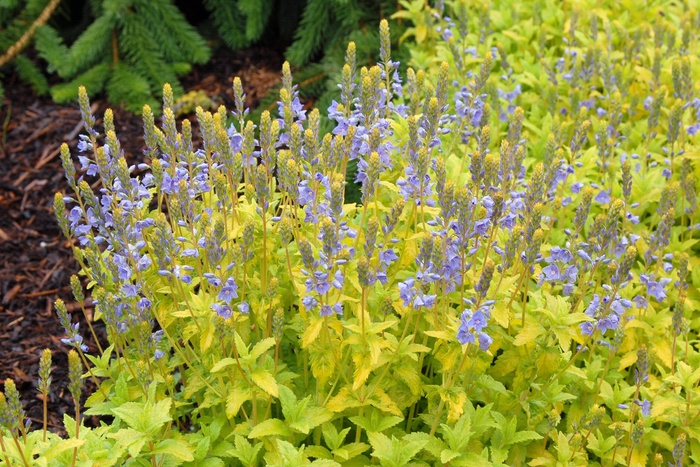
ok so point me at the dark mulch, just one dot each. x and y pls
(36, 261)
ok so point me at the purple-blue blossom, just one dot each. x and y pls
(472, 325)
(656, 289)
(222, 310)
(229, 291)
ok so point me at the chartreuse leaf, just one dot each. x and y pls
(312, 418)
(362, 360)
(454, 398)
(241, 347)
(600, 445)
(529, 333)
(245, 452)
(506, 433)
(322, 362)
(562, 322)
(350, 451)
(222, 364)
(241, 393)
(345, 399)
(130, 439)
(262, 347)
(265, 381)
(457, 437)
(563, 448)
(318, 452)
(176, 448)
(393, 452)
(270, 427)
(211, 462)
(324, 463)
(685, 376)
(375, 421)
(207, 337)
(101, 363)
(145, 417)
(312, 331)
(332, 437)
(287, 455)
(64, 445)
(301, 416)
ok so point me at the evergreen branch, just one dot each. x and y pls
(93, 79)
(310, 33)
(6, 10)
(189, 45)
(30, 73)
(51, 48)
(26, 37)
(258, 14)
(129, 89)
(227, 18)
(33, 8)
(91, 46)
(142, 53)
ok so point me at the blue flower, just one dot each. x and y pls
(640, 302)
(322, 285)
(229, 291)
(244, 308)
(656, 289)
(485, 341)
(144, 263)
(464, 336)
(603, 197)
(338, 279)
(406, 291)
(222, 310)
(551, 273)
(123, 268)
(645, 405)
(593, 306)
(388, 256)
(570, 274)
(481, 227)
(559, 254)
(567, 289)
(587, 328)
(84, 144)
(309, 302)
(473, 324)
(477, 321)
(213, 279)
(424, 300)
(610, 322)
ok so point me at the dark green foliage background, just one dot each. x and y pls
(127, 49)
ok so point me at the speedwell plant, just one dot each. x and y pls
(497, 297)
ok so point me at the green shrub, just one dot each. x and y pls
(18, 23)
(128, 51)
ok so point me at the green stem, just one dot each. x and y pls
(77, 429)
(450, 382)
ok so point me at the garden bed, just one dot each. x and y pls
(36, 260)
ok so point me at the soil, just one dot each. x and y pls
(36, 260)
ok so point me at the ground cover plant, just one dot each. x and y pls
(518, 285)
